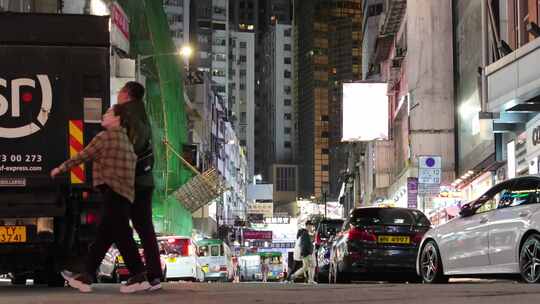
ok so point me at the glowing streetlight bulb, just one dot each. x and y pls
(186, 51)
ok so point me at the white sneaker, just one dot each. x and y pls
(136, 283)
(155, 284)
(82, 282)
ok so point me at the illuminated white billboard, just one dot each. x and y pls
(365, 112)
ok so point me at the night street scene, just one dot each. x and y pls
(269, 151)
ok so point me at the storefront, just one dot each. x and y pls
(446, 205)
(533, 144)
(478, 186)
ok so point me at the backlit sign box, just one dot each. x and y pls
(365, 111)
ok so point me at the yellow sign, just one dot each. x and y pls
(12, 234)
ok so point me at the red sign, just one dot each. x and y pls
(120, 19)
(257, 235)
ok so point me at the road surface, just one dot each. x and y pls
(467, 291)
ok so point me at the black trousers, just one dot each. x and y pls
(114, 228)
(297, 265)
(141, 217)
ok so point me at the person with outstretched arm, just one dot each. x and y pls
(114, 161)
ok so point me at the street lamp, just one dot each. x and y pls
(186, 51)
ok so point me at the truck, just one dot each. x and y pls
(54, 88)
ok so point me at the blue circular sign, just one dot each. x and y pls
(430, 162)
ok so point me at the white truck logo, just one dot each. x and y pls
(38, 122)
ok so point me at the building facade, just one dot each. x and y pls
(345, 58)
(277, 137)
(211, 36)
(497, 104)
(328, 52)
(178, 17)
(311, 94)
(242, 92)
(244, 15)
(408, 45)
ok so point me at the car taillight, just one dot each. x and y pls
(317, 239)
(358, 234)
(417, 237)
(223, 268)
(88, 218)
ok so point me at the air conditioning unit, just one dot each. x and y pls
(125, 68)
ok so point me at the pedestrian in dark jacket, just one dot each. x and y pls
(130, 99)
(308, 262)
(113, 171)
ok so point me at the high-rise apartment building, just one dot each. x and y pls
(274, 12)
(345, 58)
(276, 122)
(244, 15)
(211, 28)
(277, 127)
(178, 16)
(311, 88)
(328, 50)
(242, 91)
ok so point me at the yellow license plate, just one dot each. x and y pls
(171, 260)
(12, 234)
(393, 239)
(205, 268)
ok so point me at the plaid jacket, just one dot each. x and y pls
(113, 161)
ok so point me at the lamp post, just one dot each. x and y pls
(186, 51)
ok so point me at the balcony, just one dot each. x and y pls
(514, 88)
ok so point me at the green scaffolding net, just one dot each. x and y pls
(157, 56)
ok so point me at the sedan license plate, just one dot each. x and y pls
(12, 234)
(393, 239)
(171, 260)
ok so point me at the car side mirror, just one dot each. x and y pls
(466, 210)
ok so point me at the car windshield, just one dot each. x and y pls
(388, 216)
(209, 250)
(175, 246)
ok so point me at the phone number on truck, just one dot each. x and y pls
(27, 158)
